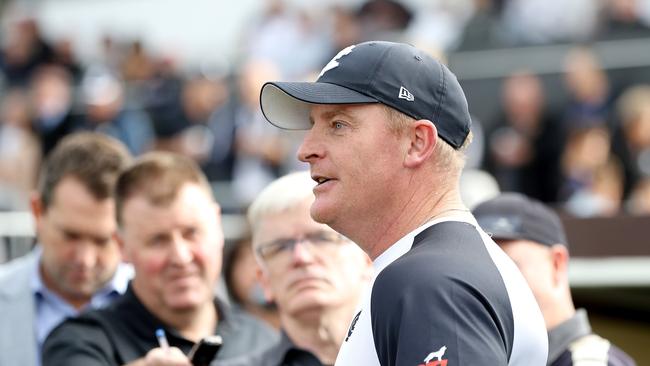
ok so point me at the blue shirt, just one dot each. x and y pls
(51, 309)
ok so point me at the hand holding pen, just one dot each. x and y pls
(165, 355)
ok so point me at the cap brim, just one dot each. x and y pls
(286, 105)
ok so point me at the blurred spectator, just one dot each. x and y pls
(593, 178)
(137, 65)
(183, 114)
(24, 51)
(52, 96)
(77, 264)
(639, 203)
(482, 30)
(590, 94)
(440, 22)
(633, 109)
(524, 152)
(261, 149)
(542, 21)
(347, 29)
(314, 274)
(170, 230)
(64, 56)
(622, 19)
(245, 289)
(20, 150)
(383, 19)
(533, 236)
(161, 98)
(111, 55)
(106, 111)
(290, 36)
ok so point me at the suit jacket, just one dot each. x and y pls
(17, 329)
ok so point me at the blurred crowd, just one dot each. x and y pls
(590, 157)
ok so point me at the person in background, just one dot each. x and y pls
(243, 283)
(170, 231)
(533, 236)
(314, 274)
(76, 264)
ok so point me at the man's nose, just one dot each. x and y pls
(85, 254)
(181, 253)
(301, 254)
(308, 150)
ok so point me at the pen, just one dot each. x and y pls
(162, 339)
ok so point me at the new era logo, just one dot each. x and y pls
(405, 94)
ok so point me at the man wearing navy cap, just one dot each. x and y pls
(387, 129)
(533, 236)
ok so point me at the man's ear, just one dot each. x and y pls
(263, 279)
(36, 205)
(119, 238)
(424, 137)
(560, 263)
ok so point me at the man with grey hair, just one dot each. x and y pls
(314, 274)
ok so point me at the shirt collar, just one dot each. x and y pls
(566, 332)
(147, 323)
(285, 352)
(116, 286)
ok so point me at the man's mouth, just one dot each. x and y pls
(320, 179)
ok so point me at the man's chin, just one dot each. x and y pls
(81, 291)
(307, 302)
(186, 301)
(321, 212)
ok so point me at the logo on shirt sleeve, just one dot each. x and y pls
(354, 323)
(439, 361)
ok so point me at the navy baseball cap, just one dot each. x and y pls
(395, 74)
(513, 216)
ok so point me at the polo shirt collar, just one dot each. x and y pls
(566, 332)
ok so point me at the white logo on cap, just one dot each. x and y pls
(504, 224)
(405, 94)
(334, 63)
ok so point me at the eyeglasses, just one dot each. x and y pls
(316, 239)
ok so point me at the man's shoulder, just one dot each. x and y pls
(19, 264)
(16, 274)
(82, 337)
(442, 252)
(245, 333)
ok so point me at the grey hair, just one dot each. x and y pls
(286, 192)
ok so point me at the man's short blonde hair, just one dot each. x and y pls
(159, 177)
(448, 159)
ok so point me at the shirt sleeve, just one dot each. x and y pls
(78, 343)
(424, 316)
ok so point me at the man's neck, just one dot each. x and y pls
(77, 302)
(193, 324)
(417, 210)
(321, 332)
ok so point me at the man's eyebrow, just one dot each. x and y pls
(328, 115)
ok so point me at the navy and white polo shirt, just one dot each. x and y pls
(446, 295)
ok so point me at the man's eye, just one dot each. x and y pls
(338, 125)
(276, 247)
(70, 236)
